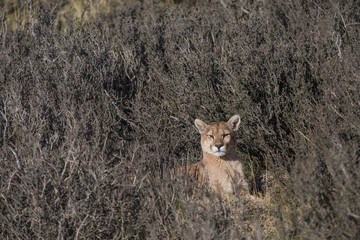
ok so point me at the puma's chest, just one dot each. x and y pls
(222, 177)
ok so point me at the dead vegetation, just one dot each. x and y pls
(95, 114)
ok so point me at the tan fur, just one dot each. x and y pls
(220, 166)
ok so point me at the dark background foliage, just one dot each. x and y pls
(95, 113)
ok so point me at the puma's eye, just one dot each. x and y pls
(211, 136)
(225, 135)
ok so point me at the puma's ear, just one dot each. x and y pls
(200, 125)
(234, 123)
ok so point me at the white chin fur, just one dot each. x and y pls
(219, 154)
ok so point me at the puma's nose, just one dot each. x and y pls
(219, 145)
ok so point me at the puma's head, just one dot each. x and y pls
(218, 138)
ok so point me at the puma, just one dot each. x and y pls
(220, 166)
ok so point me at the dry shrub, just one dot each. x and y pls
(94, 116)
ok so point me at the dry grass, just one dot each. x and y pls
(95, 111)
